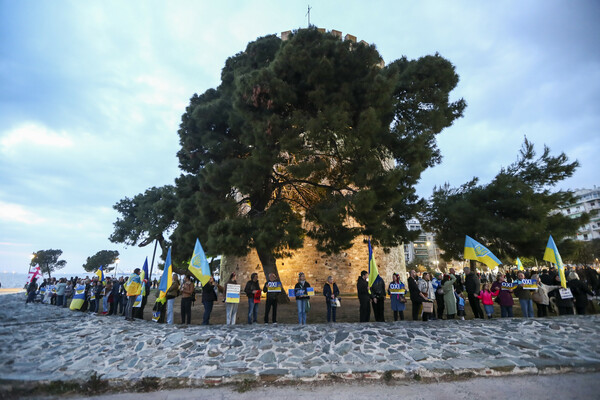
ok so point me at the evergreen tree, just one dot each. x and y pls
(314, 137)
(104, 258)
(48, 260)
(512, 215)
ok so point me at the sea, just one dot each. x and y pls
(15, 280)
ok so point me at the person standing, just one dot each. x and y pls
(331, 293)
(231, 308)
(364, 297)
(134, 288)
(172, 293)
(61, 301)
(439, 294)
(473, 287)
(524, 296)
(115, 295)
(415, 295)
(209, 296)
(449, 297)
(398, 301)
(187, 289)
(302, 298)
(31, 291)
(252, 289)
(106, 297)
(580, 293)
(427, 293)
(378, 298)
(273, 288)
(504, 297)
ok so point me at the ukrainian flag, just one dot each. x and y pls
(78, 297)
(551, 254)
(166, 280)
(100, 273)
(520, 265)
(373, 272)
(199, 264)
(143, 275)
(478, 252)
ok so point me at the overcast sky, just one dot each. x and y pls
(92, 93)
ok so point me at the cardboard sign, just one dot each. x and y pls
(310, 291)
(233, 293)
(291, 293)
(397, 288)
(565, 293)
(274, 287)
(508, 286)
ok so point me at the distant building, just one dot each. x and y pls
(586, 200)
(423, 250)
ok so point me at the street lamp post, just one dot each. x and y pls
(436, 262)
(116, 266)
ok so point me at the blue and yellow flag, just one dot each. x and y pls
(373, 272)
(478, 252)
(78, 297)
(199, 264)
(520, 265)
(100, 273)
(166, 280)
(551, 254)
(143, 275)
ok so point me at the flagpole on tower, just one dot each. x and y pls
(308, 14)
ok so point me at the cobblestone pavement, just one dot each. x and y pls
(41, 342)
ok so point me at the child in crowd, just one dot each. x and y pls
(460, 305)
(486, 298)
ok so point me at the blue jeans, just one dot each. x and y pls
(208, 306)
(506, 311)
(527, 308)
(489, 309)
(60, 300)
(170, 304)
(92, 307)
(252, 311)
(301, 305)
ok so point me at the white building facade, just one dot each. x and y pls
(586, 200)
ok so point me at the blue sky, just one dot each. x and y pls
(92, 94)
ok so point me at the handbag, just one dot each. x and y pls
(336, 303)
(427, 307)
(536, 296)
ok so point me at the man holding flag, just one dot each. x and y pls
(563, 296)
(478, 252)
(377, 287)
(134, 288)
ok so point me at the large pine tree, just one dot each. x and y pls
(314, 137)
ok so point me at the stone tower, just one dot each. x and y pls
(344, 267)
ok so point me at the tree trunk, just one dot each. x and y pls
(269, 265)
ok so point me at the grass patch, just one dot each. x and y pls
(246, 385)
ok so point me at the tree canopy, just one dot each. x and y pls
(146, 217)
(102, 258)
(314, 137)
(513, 215)
(48, 260)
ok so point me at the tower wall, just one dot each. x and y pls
(344, 267)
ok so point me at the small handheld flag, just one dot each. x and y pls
(478, 252)
(100, 273)
(520, 265)
(551, 254)
(199, 264)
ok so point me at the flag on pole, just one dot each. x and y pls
(138, 300)
(166, 280)
(373, 272)
(100, 273)
(520, 265)
(199, 264)
(34, 273)
(478, 252)
(551, 254)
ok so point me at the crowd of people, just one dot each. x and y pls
(432, 296)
